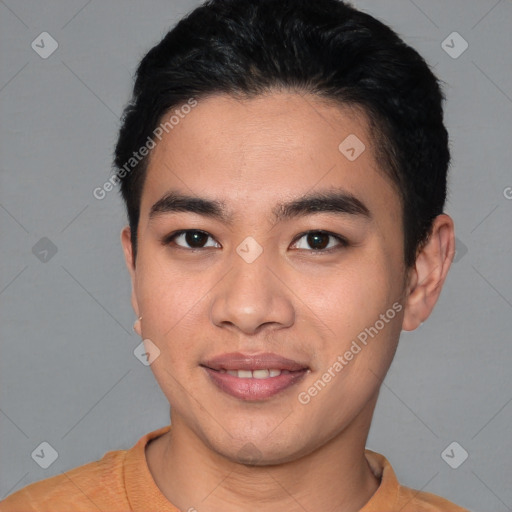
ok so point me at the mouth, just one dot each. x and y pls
(255, 374)
(253, 377)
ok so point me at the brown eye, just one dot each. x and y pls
(195, 239)
(320, 241)
(189, 239)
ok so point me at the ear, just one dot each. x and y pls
(126, 242)
(428, 275)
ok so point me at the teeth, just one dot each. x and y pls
(260, 374)
(255, 374)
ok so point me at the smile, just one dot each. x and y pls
(253, 377)
(254, 374)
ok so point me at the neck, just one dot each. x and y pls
(335, 476)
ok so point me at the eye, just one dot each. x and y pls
(319, 241)
(194, 239)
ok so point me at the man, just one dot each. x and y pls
(283, 164)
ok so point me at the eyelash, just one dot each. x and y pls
(169, 239)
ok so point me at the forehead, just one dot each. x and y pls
(262, 150)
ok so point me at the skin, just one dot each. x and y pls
(253, 154)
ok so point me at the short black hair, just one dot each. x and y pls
(247, 48)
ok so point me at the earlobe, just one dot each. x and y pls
(429, 274)
(137, 326)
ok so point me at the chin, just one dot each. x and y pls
(262, 452)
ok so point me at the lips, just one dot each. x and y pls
(238, 361)
(253, 377)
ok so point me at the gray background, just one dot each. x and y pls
(68, 373)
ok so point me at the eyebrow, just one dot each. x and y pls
(336, 201)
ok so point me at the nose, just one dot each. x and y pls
(252, 297)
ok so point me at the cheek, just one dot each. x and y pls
(360, 306)
(352, 298)
(169, 304)
(168, 295)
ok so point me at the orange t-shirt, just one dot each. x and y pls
(121, 481)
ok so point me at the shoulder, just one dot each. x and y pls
(89, 487)
(391, 496)
(411, 500)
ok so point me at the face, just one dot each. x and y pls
(286, 255)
